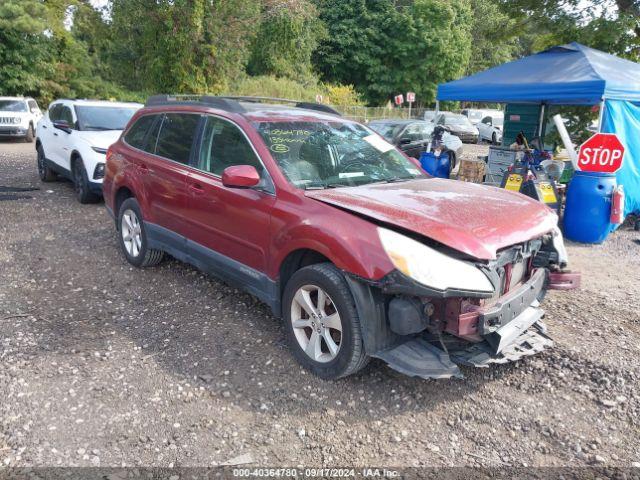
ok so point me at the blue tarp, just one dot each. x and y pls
(571, 74)
(623, 119)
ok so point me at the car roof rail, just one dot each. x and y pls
(320, 107)
(223, 103)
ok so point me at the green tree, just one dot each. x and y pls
(180, 46)
(494, 36)
(609, 25)
(383, 49)
(22, 23)
(288, 35)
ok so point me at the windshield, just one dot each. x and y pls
(13, 106)
(387, 130)
(327, 154)
(457, 120)
(104, 118)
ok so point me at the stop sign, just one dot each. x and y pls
(602, 153)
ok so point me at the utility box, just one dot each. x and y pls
(520, 118)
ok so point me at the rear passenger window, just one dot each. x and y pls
(176, 136)
(137, 134)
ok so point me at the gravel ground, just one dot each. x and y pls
(105, 365)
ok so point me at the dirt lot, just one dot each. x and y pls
(103, 364)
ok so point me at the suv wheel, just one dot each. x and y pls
(133, 237)
(45, 173)
(30, 134)
(81, 183)
(494, 139)
(322, 324)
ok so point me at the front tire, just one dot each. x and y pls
(44, 172)
(494, 139)
(81, 183)
(133, 236)
(322, 323)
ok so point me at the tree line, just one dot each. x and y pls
(351, 51)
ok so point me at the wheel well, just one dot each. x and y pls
(296, 260)
(74, 157)
(121, 195)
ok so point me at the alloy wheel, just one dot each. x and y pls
(131, 232)
(316, 323)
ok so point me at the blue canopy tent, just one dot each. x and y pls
(571, 74)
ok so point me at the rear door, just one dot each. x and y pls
(232, 224)
(46, 131)
(62, 144)
(163, 173)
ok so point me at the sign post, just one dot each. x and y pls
(411, 97)
(602, 153)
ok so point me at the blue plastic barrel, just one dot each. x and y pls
(588, 207)
(436, 166)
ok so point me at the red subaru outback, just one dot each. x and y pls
(345, 238)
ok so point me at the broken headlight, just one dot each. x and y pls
(430, 267)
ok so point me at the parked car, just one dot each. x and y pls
(458, 125)
(359, 252)
(72, 141)
(473, 115)
(413, 137)
(490, 128)
(429, 115)
(19, 117)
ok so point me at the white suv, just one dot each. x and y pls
(72, 141)
(18, 117)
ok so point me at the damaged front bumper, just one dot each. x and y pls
(505, 331)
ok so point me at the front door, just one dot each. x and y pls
(229, 226)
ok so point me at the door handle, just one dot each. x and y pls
(44, 126)
(55, 134)
(196, 188)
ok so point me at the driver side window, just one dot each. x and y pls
(224, 145)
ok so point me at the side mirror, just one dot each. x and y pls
(405, 141)
(62, 125)
(240, 176)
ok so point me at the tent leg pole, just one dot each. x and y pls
(601, 116)
(541, 121)
(437, 107)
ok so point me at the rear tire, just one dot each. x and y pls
(81, 183)
(44, 172)
(494, 139)
(333, 322)
(30, 135)
(133, 236)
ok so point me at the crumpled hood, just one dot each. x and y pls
(474, 219)
(100, 139)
